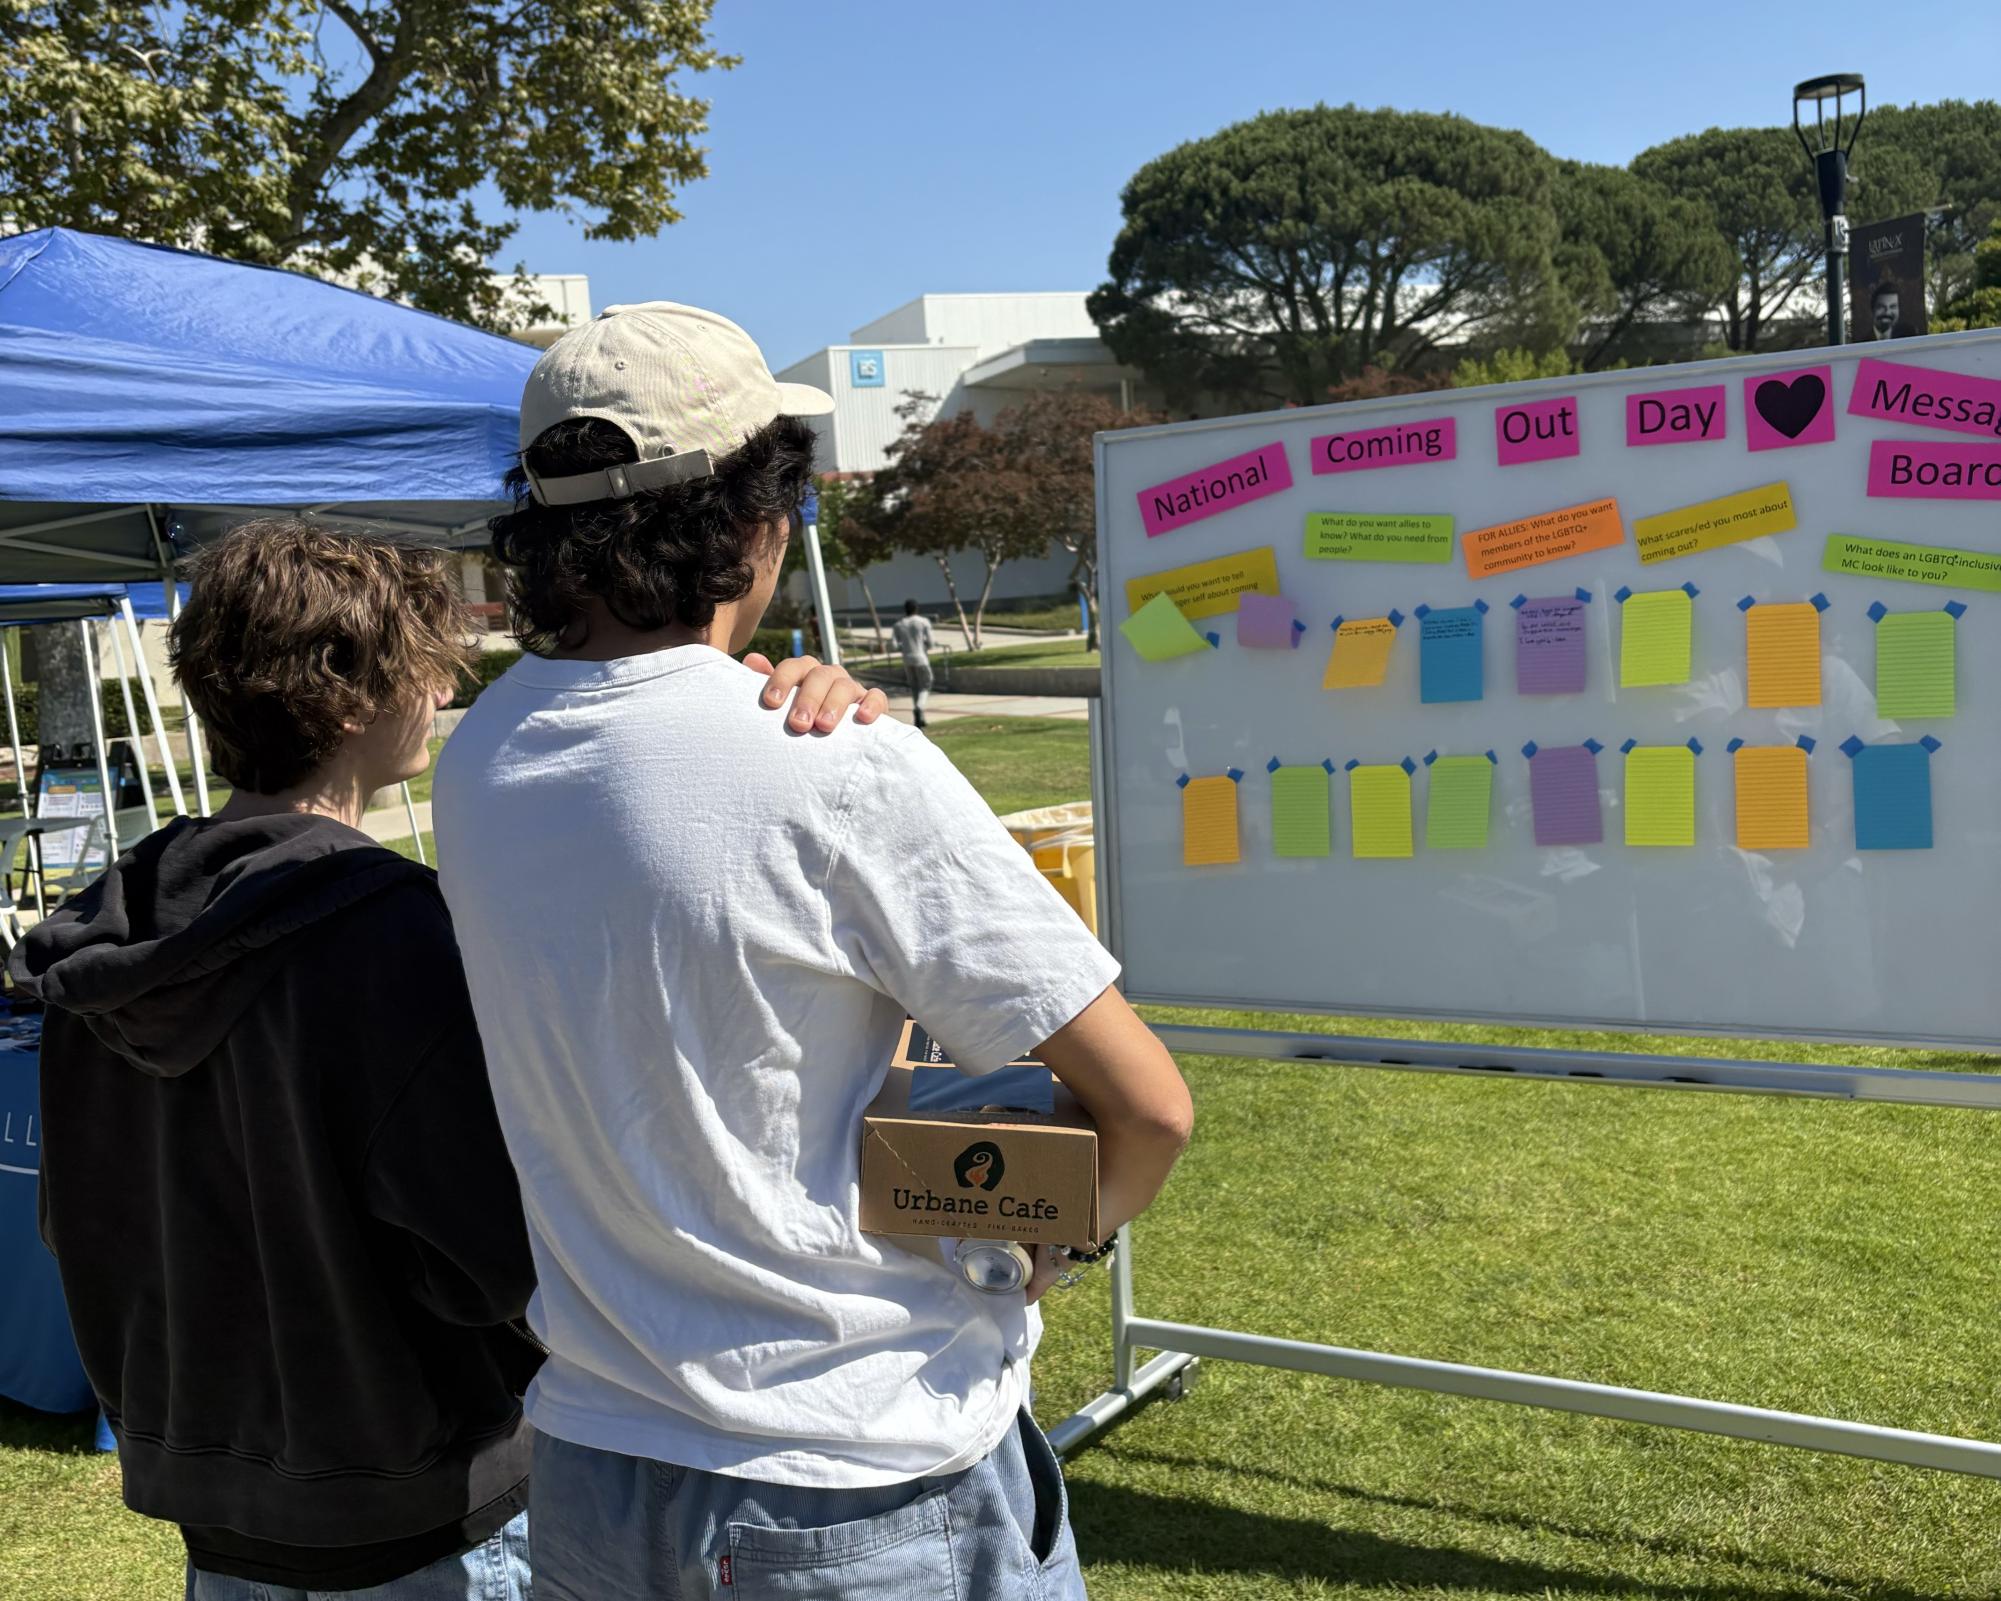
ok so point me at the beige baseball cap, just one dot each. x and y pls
(687, 385)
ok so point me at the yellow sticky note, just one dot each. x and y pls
(1379, 798)
(1209, 822)
(1209, 588)
(1159, 632)
(1660, 795)
(1782, 646)
(1771, 798)
(1654, 631)
(1361, 654)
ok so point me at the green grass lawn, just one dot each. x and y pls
(1813, 1256)
(1057, 653)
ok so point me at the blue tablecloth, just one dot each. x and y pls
(38, 1360)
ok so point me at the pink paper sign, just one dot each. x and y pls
(1193, 496)
(1676, 416)
(1539, 430)
(1409, 444)
(1897, 393)
(1932, 469)
(1789, 408)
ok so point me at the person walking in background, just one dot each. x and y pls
(913, 638)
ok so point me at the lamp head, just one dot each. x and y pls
(1833, 133)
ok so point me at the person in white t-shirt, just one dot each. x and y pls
(913, 641)
(691, 937)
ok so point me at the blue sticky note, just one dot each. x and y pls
(1893, 798)
(1449, 655)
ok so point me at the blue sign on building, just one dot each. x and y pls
(865, 369)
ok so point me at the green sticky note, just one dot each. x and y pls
(1301, 814)
(1462, 795)
(1380, 800)
(1660, 795)
(1654, 631)
(1370, 536)
(1159, 632)
(1915, 675)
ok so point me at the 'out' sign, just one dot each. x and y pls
(1540, 430)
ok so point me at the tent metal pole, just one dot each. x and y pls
(416, 835)
(152, 710)
(96, 686)
(821, 603)
(21, 782)
(133, 737)
(197, 758)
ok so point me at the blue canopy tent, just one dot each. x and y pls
(151, 398)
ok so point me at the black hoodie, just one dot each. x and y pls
(276, 1191)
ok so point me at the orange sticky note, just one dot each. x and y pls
(1782, 644)
(1549, 536)
(1771, 798)
(1361, 654)
(1209, 822)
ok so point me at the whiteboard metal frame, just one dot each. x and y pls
(1180, 1348)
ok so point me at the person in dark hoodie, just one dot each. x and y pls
(288, 1232)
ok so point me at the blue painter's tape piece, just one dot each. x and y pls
(1272, 765)
(1529, 750)
(1493, 758)
(1622, 594)
(1396, 619)
(1336, 624)
(1593, 746)
(1806, 743)
(1215, 641)
(1298, 628)
(1236, 774)
(1818, 602)
(1519, 602)
(1480, 606)
(1627, 746)
(1328, 763)
(1408, 765)
(1430, 756)
(1955, 609)
(1878, 611)
(1691, 591)
(1851, 745)
(1929, 743)
(1747, 602)
(1351, 764)
(1734, 746)
(1421, 612)
(1695, 745)
(1585, 596)
(1181, 782)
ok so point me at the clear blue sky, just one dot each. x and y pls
(866, 153)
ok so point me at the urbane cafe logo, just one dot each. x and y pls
(980, 1167)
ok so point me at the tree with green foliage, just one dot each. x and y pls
(351, 138)
(1513, 367)
(1632, 254)
(1957, 146)
(1980, 306)
(1282, 255)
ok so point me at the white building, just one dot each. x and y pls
(977, 353)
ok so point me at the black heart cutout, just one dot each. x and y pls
(1791, 408)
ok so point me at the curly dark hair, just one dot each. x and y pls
(659, 557)
(294, 629)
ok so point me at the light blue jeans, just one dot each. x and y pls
(494, 1570)
(610, 1526)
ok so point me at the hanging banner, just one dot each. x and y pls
(1886, 280)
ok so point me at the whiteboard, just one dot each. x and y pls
(1826, 942)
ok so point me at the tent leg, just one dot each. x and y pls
(133, 737)
(821, 603)
(96, 684)
(152, 710)
(21, 781)
(416, 835)
(197, 758)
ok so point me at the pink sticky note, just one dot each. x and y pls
(1264, 622)
(1193, 496)
(1789, 408)
(1676, 416)
(1539, 430)
(1407, 444)
(1934, 469)
(1899, 393)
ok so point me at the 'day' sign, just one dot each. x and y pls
(1676, 416)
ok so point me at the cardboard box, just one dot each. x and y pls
(1005, 1156)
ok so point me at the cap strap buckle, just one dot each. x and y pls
(621, 483)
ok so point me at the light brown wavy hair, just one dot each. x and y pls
(294, 630)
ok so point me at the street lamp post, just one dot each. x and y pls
(1828, 150)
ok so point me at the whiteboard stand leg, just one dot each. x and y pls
(1170, 1373)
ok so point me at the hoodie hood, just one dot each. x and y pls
(160, 956)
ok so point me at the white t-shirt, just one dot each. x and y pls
(913, 638)
(691, 939)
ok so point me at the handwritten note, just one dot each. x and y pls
(1782, 651)
(1915, 669)
(1367, 536)
(1379, 798)
(1654, 638)
(1712, 524)
(1209, 822)
(1462, 797)
(1771, 798)
(1160, 633)
(1563, 793)
(1208, 490)
(1301, 812)
(1265, 622)
(1936, 565)
(1550, 656)
(1361, 653)
(1449, 648)
(1550, 536)
(1893, 798)
(1660, 795)
(1209, 588)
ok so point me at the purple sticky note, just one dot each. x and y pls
(1549, 646)
(1536, 430)
(1264, 622)
(1563, 788)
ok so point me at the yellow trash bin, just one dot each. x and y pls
(1060, 841)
